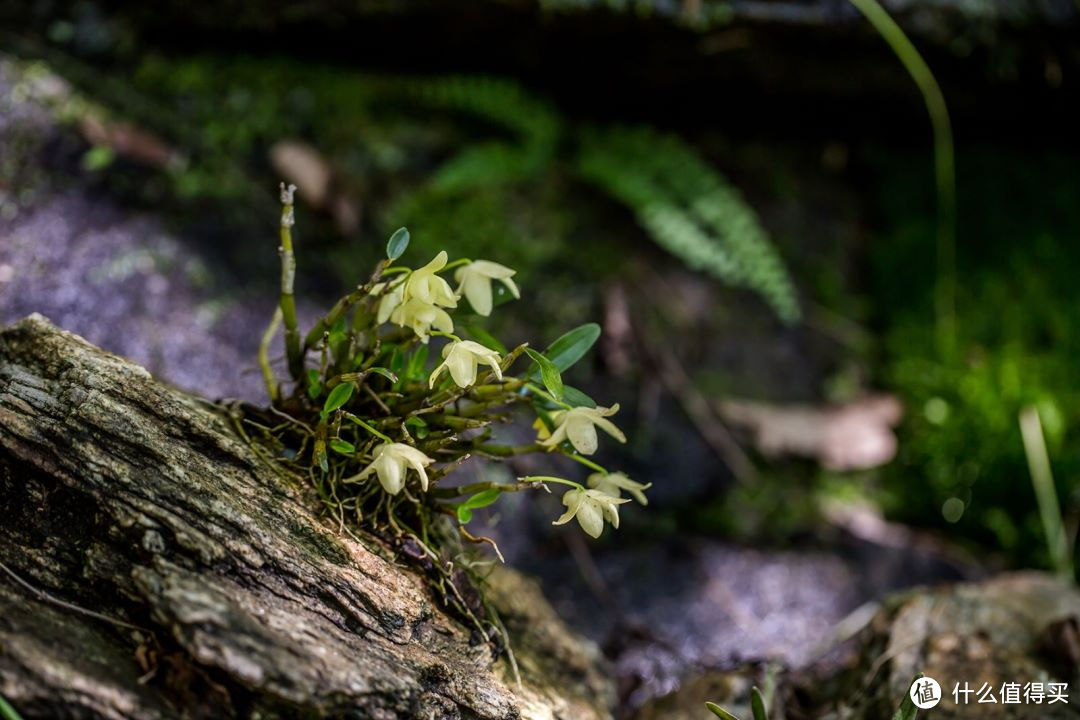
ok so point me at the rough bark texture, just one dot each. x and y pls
(130, 499)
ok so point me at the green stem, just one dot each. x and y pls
(549, 479)
(586, 462)
(264, 356)
(546, 395)
(342, 306)
(370, 429)
(508, 450)
(944, 166)
(1042, 480)
(473, 488)
(288, 278)
(455, 263)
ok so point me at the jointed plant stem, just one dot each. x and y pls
(264, 355)
(288, 277)
(342, 306)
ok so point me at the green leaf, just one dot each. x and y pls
(549, 373)
(908, 709)
(7, 712)
(338, 397)
(572, 346)
(479, 500)
(385, 373)
(417, 365)
(342, 446)
(314, 388)
(544, 417)
(483, 498)
(757, 704)
(397, 244)
(485, 338)
(337, 335)
(396, 363)
(719, 711)
(576, 398)
(418, 426)
(98, 157)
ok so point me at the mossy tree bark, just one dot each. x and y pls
(127, 504)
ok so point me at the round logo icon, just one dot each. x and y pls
(925, 693)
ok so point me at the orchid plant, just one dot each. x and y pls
(380, 433)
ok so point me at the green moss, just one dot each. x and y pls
(1018, 339)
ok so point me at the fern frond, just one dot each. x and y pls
(689, 209)
(533, 124)
(492, 163)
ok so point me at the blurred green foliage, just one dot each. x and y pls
(962, 462)
(413, 150)
(538, 189)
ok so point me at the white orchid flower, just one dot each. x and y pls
(579, 427)
(390, 301)
(391, 463)
(613, 483)
(461, 358)
(421, 317)
(474, 282)
(591, 508)
(425, 285)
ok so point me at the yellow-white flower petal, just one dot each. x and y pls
(462, 358)
(390, 462)
(572, 499)
(389, 302)
(613, 483)
(425, 285)
(474, 282)
(421, 317)
(591, 508)
(579, 427)
(591, 518)
(391, 474)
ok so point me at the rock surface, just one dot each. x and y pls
(1007, 630)
(1019, 628)
(155, 566)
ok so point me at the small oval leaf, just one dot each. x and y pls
(397, 244)
(483, 498)
(343, 447)
(418, 427)
(338, 397)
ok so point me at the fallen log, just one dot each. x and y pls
(154, 566)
